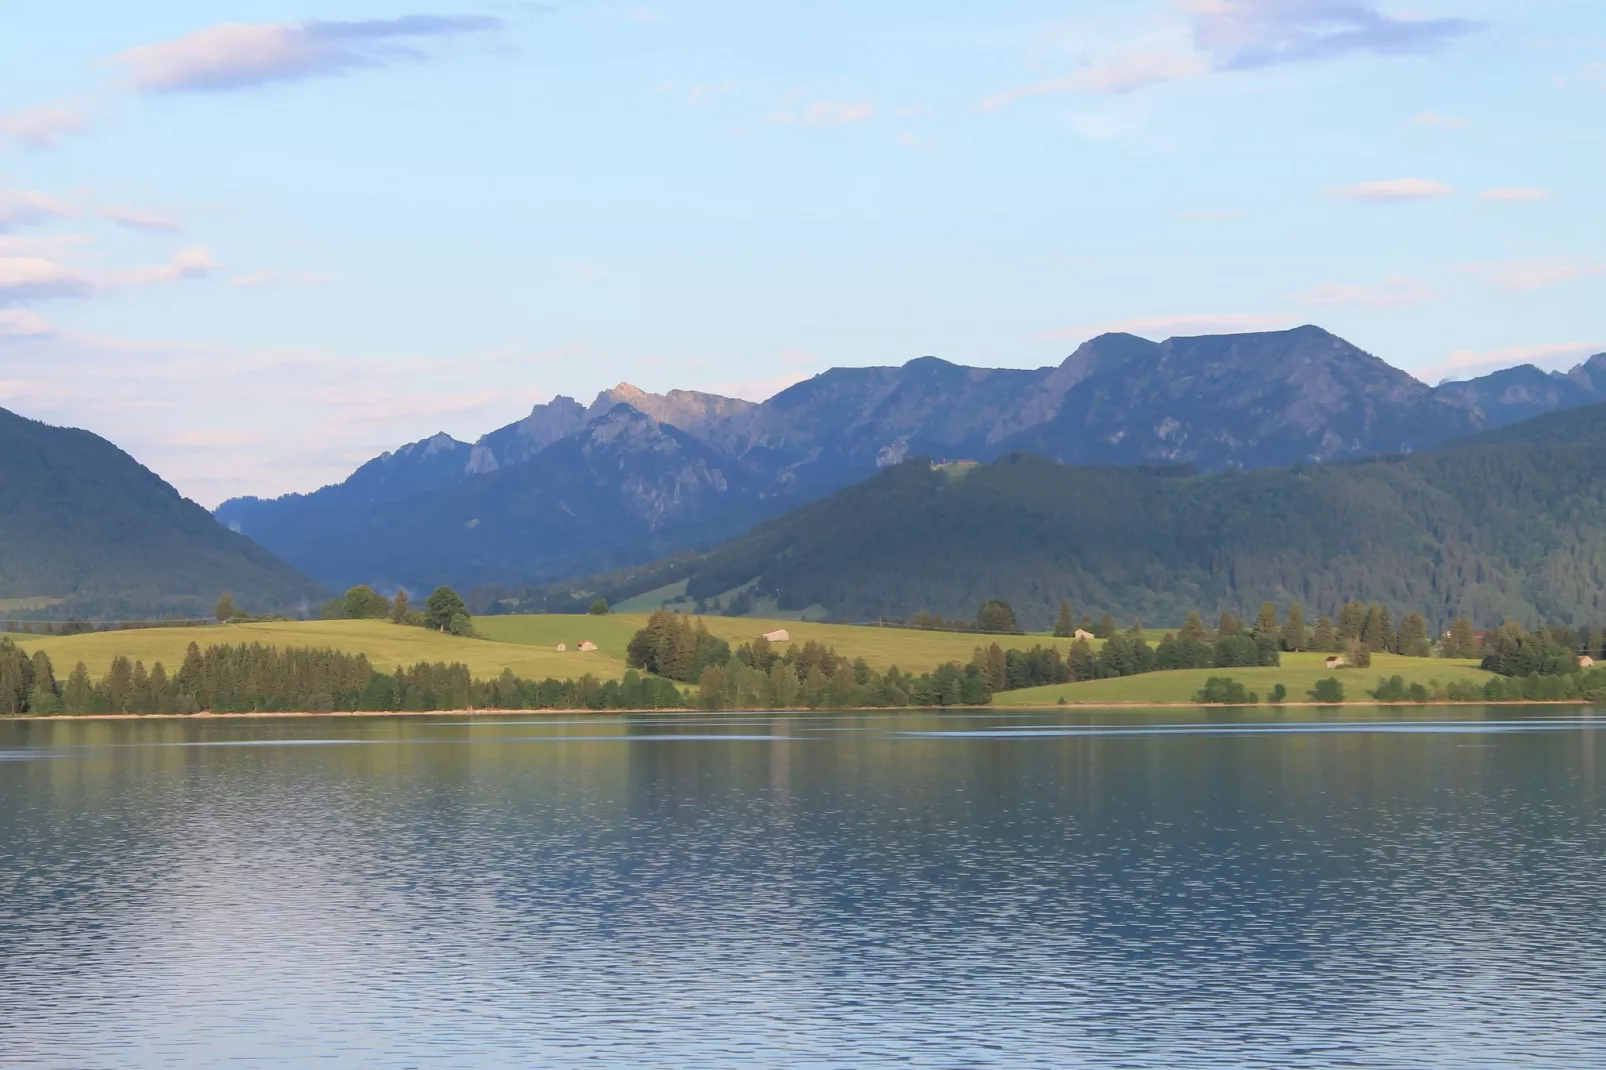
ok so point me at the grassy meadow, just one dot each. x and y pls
(527, 646)
(1298, 673)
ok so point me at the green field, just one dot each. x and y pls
(1298, 673)
(387, 645)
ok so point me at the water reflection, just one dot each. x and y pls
(1175, 889)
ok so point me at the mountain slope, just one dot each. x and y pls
(82, 521)
(1512, 523)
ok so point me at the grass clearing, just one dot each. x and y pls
(386, 645)
(1298, 673)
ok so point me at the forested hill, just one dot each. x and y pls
(82, 522)
(1508, 524)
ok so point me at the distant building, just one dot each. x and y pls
(562, 647)
(1338, 661)
(1586, 662)
(1083, 633)
(586, 644)
(779, 635)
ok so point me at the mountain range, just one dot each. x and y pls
(574, 489)
(1509, 523)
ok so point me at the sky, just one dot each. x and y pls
(256, 243)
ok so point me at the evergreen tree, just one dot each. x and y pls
(1228, 625)
(1064, 624)
(1193, 628)
(1106, 627)
(1463, 642)
(1266, 622)
(226, 608)
(398, 607)
(1294, 635)
(1352, 620)
(1087, 624)
(1413, 637)
(1325, 638)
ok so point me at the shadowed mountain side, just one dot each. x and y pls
(1512, 524)
(82, 521)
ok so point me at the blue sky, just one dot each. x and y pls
(255, 243)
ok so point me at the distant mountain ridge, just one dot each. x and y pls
(84, 525)
(1213, 402)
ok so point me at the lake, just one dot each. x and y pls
(1171, 888)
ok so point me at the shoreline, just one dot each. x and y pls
(207, 715)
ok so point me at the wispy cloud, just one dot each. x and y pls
(1180, 326)
(1441, 122)
(823, 113)
(149, 222)
(35, 278)
(27, 207)
(1392, 292)
(1393, 191)
(1467, 363)
(23, 323)
(233, 56)
(1245, 34)
(32, 278)
(1525, 276)
(1218, 36)
(43, 126)
(1516, 193)
(258, 279)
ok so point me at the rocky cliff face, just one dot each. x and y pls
(634, 469)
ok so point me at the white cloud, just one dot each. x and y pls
(149, 222)
(1524, 276)
(241, 55)
(1392, 292)
(257, 279)
(31, 278)
(1442, 122)
(1470, 363)
(43, 126)
(1394, 190)
(1516, 193)
(23, 323)
(192, 263)
(1117, 76)
(1162, 327)
(26, 207)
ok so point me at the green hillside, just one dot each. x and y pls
(86, 529)
(1511, 524)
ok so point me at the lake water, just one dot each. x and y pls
(1413, 888)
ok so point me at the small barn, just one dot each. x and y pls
(586, 644)
(1586, 662)
(1337, 662)
(779, 635)
(1083, 633)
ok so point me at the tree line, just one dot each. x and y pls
(263, 679)
(758, 676)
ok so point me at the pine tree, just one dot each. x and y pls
(1294, 636)
(1106, 627)
(226, 608)
(1064, 626)
(1325, 638)
(1266, 621)
(1413, 637)
(1463, 643)
(398, 607)
(1228, 625)
(1193, 628)
(1351, 620)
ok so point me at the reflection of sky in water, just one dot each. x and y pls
(1088, 888)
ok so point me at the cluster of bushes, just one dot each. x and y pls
(758, 676)
(445, 610)
(262, 679)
